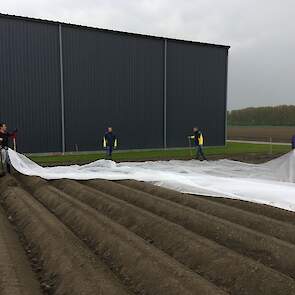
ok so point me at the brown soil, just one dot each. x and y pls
(252, 158)
(16, 275)
(127, 237)
(256, 133)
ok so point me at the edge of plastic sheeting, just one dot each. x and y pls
(271, 183)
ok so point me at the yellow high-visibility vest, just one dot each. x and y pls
(105, 143)
(201, 139)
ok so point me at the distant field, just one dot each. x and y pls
(273, 133)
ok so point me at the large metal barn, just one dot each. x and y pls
(61, 85)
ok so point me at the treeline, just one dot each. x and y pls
(283, 115)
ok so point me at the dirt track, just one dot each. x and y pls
(102, 237)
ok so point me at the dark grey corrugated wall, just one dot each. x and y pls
(29, 83)
(196, 92)
(110, 78)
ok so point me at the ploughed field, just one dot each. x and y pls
(257, 133)
(127, 237)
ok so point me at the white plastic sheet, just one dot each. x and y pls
(272, 183)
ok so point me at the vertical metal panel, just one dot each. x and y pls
(112, 79)
(165, 95)
(62, 99)
(29, 83)
(196, 92)
(226, 92)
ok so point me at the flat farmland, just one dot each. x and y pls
(257, 133)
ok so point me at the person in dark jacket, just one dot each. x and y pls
(4, 144)
(110, 141)
(198, 142)
(293, 142)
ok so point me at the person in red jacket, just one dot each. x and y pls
(4, 144)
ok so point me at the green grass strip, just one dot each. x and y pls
(231, 149)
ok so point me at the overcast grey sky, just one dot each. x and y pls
(261, 35)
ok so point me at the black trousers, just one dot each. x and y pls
(5, 161)
(109, 151)
(200, 154)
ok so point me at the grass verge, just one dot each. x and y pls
(230, 150)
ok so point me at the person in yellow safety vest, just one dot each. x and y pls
(198, 142)
(110, 141)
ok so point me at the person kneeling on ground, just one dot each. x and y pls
(293, 142)
(198, 142)
(4, 144)
(109, 142)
